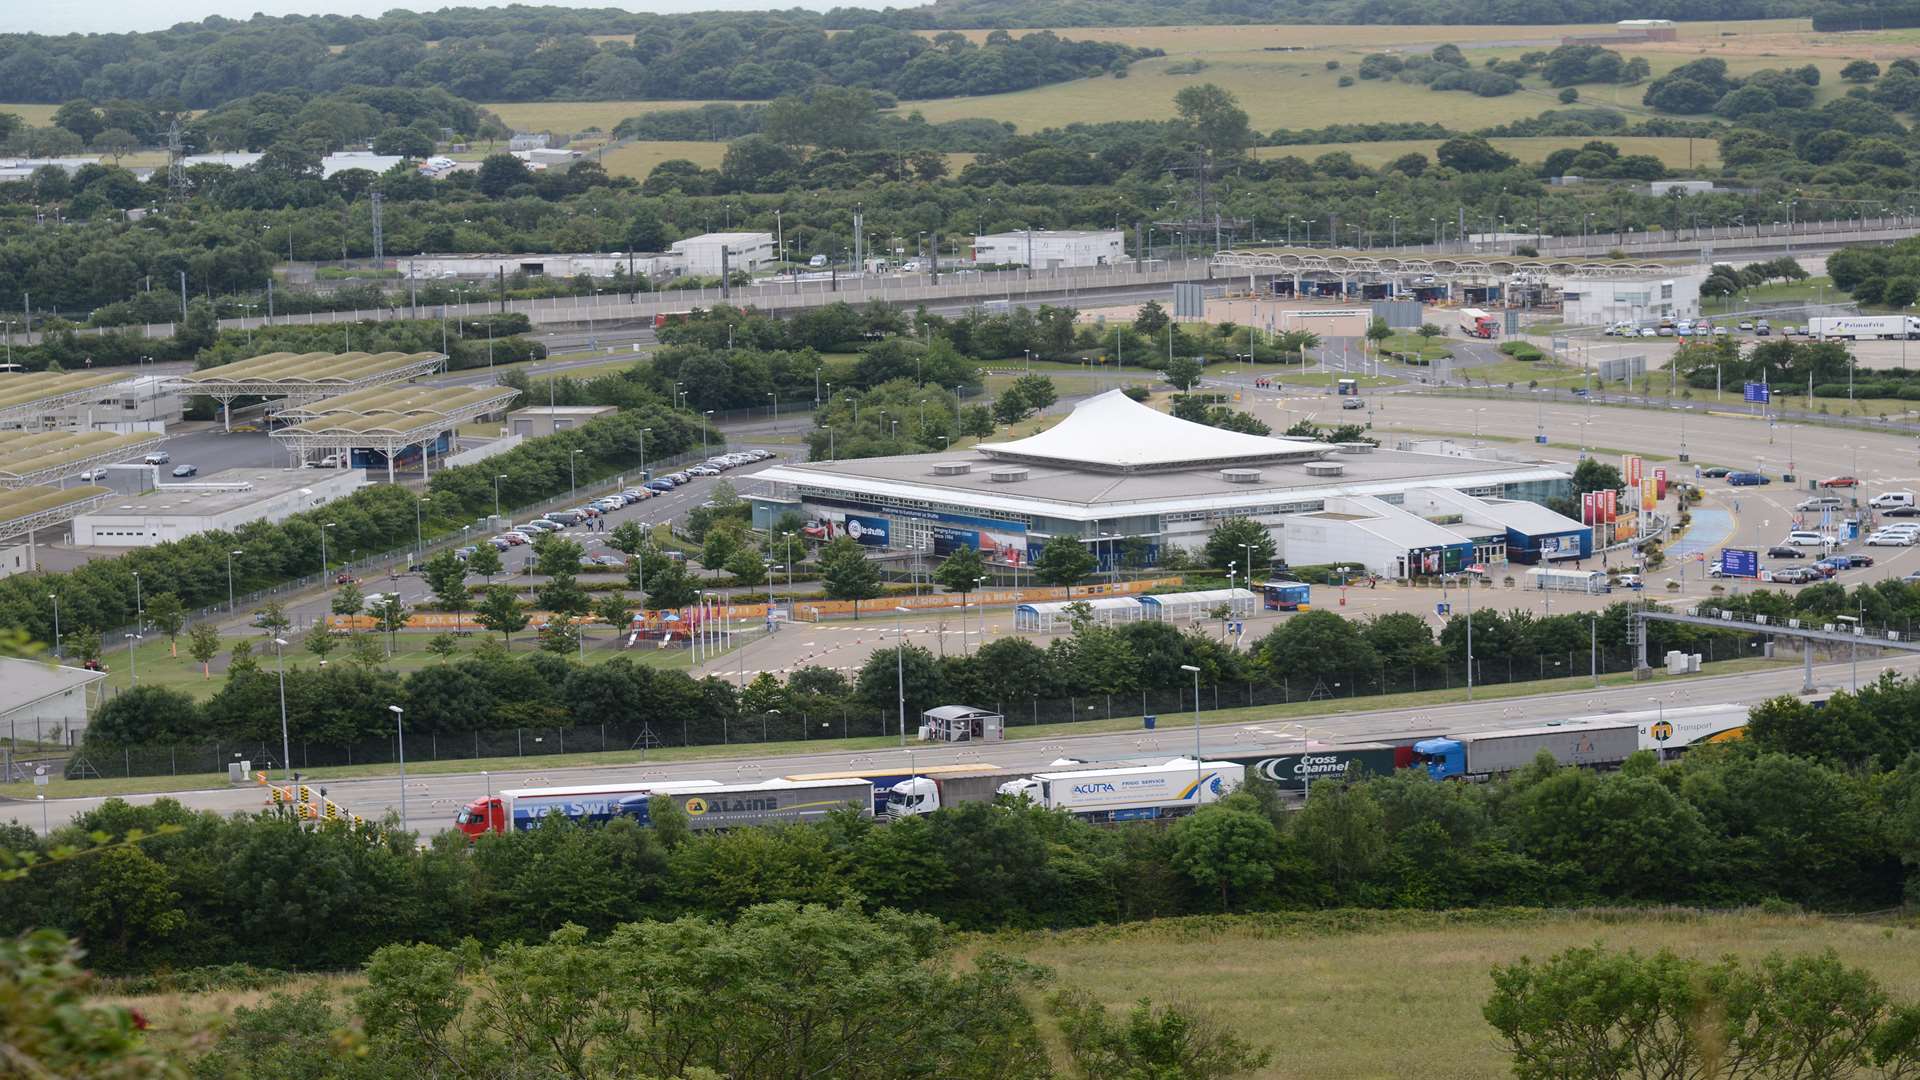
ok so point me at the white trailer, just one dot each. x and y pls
(1591, 582)
(1133, 792)
(1475, 322)
(1864, 327)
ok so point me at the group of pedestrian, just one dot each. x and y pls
(1264, 382)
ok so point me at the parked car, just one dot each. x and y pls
(331, 461)
(1719, 331)
(92, 475)
(703, 470)
(1840, 482)
(1715, 471)
(157, 457)
(500, 543)
(1856, 559)
(1891, 539)
(1808, 538)
(1820, 502)
(681, 477)
(1782, 551)
(1746, 327)
(1747, 479)
(186, 470)
(660, 487)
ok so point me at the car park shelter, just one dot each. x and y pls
(1056, 615)
(45, 457)
(302, 378)
(962, 723)
(1126, 479)
(26, 510)
(1174, 607)
(385, 424)
(35, 399)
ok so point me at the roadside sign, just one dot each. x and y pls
(1443, 609)
(1739, 562)
(40, 776)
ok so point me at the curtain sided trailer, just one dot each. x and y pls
(941, 785)
(1490, 753)
(709, 804)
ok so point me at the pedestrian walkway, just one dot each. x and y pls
(1710, 529)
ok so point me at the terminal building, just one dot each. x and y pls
(1051, 250)
(1115, 471)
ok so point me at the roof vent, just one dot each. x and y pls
(1240, 476)
(1325, 468)
(953, 468)
(1356, 448)
(1007, 476)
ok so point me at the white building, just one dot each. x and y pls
(329, 165)
(1661, 188)
(222, 501)
(12, 169)
(1116, 471)
(537, 420)
(430, 267)
(1600, 302)
(143, 404)
(700, 255)
(46, 702)
(1049, 250)
(529, 140)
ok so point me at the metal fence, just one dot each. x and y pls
(857, 720)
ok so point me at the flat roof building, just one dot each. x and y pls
(1051, 249)
(1115, 470)
(1643, 301)
(701, 255)
(46, 702)
(223, 501)
(536, 420)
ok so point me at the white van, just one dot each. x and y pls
(1887, 500)
(1807, 538)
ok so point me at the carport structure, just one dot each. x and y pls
(389, 419)
(1103, 610)
(29, 458)
(302, 378)
(24, 510)
(26, 397)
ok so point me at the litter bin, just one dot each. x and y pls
(1148, 721)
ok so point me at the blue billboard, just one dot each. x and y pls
(1739, 562)
(1758, 392)
(867, 530)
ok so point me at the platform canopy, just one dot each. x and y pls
(43, 457)
(25, 509)
(306, 377)
(1111, 432)
(1450, 267)
(26, 396)
(389, 419)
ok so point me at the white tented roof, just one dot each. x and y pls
(1205, 598)
(1094, 603)
(1114, 433)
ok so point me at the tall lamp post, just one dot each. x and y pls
(55, 597)
(1196, 730)
(286, 745)
(139, 608)
(900, 667)
(133, 658)
(230, 556)
(324, 568)
(572, 487)
(400, 729)
(496, 493)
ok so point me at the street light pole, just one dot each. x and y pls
(133, 658)
(1196, 730)
(496, 493)
(323, 552)
(230, 556)
(286, 746)
(573, 489)
(900, 667)
(55, 597)
(400, 728)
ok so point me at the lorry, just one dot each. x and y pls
(1295, 773)
(708, 804)
(1475, 322)
(902, 793)
(1132, 793)
(1480, 755)
(1864, 327)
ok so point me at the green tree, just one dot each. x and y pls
(1315, 645)
(272, 617)
(627, 538)
(320, 641)
(1242, 541)
(486, 562)
(1226, 850)
(961, 571)
(1183, 372)
(1215, 117)
(1471, 153)
(500, 610)
(167, 615)
(1860, 71)
(1153, 1043)
(84, 644)
(559, 634)
(443, 646)
(365, 650)
(556, 556)
(1378, 331)
(847, 573)
(1429, 331)
(447, 579)
(348, 599)
(1151, 320)
(1065, 561)
(615, 610)
(52, 1024)
(670, 587)
(203, 644)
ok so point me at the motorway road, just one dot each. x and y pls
(432, 800)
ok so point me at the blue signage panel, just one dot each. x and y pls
(1758, 392)
(867, 530)
(1739, 562)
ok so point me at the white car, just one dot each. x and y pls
(158, 457)
(92, 475)
(1886, 539)
(1805, 538)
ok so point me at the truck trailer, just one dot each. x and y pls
(1132, 793)
(1864, 327)
(938, 789)
(1489, 753)
(1476, 322)
(1296, 772)
(708, 804)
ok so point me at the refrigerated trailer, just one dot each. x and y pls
(1475, 322)
(1132, 792)
(1490, 753)
(1864, 327)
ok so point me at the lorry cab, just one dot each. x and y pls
(1442, 758)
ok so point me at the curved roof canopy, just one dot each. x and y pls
(1114, 433)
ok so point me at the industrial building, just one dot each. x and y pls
(221, 502)
(1115, 471)
(46, 703)
(148, 403)
(1051, 250)
(536, 420)
(700, 255)
(429, 267)
(1641, 301)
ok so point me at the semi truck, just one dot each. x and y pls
(1295, 773)
(1680, 728)
(1864, 327)
(1480, 755)
(1134, 792)
(1476, 322)
(709, 804)
(938, 786)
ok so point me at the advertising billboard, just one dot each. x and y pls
(1612, 509)
(1647, 500)
(1740, 562)
(998, 545)
(1659, 483)
(831, 523)
(1439, 560)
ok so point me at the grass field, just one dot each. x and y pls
(637, 159)
(1675, 152)
(1337, 995)
(37, 115)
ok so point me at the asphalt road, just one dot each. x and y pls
(432, 800)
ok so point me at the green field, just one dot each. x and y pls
(37, 115)
(1336, 995)
(637, 159)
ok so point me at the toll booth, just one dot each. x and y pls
(961, 723)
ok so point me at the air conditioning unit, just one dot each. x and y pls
(1325, 468)
(953, 468)
(1242, 476)
(1007, 476)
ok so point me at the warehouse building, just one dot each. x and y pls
(1119, 475)
(1640, 301)
(1051, 250)
(537, 420)
(700, 255)
(222, 501)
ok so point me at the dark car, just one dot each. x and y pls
(1715, 471)
(1901, 511)
(1784, 552)
(1747, 479)
(1856, 560)
(186, 470)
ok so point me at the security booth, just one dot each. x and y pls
(961, 723)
